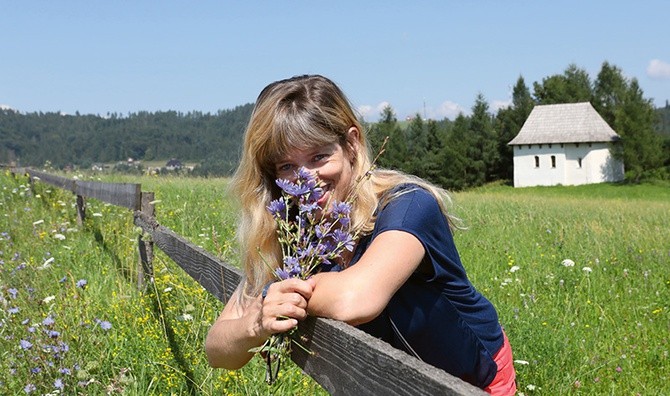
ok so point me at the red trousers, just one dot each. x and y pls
(504, 382)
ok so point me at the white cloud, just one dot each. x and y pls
(364, 111)
(371, 113)
(447, 109)
(658, 69)
(6, 107)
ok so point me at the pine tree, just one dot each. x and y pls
(573, 86)
(508, 124)
(634, 122)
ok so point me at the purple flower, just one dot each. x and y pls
(82, 283)
(53, 334)
(292, 266)
(309, 207)
(292, 189)
(35, 370)
(303, 174)
(13, 310)
(48, 321)
(58, 384)
(305, 186)
(25, 345)
(277, 208)
(105, 325)
(321, 230)
(13, 292)
(343, 238)
(282, 274)
(313, 250)
(63, 279)
(340, 209)
(65, 371)
(29, 388)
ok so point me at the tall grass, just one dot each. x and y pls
(71, 318)
(581, 279)
(600, 326)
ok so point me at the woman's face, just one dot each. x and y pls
(330, 163)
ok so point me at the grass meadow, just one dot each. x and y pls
(580, 277)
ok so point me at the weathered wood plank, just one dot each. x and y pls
(343, 359)
(58, 181)
(127, 195)
(218, 278)
(347, 361)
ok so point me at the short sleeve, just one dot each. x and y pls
(416, 211)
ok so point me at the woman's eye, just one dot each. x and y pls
(284, 168)
(320, 157)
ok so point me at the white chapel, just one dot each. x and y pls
(566, 144)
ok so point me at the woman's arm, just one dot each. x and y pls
(239, 329)
(360, 293)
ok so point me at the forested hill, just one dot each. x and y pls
(82, 140)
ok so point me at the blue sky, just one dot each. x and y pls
(426, 57)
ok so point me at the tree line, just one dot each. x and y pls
(468, 151)
(212, 140)
(472, 150)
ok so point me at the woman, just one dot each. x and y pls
(404, 280)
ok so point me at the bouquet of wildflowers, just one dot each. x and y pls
(311, 238)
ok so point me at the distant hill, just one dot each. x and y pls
(84, 140)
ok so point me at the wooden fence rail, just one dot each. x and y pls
(343, 359)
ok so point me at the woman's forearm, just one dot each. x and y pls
(338, 296)
(360, 292)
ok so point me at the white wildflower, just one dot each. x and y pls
(521, 362)
(568, 263)
(38, 222)
(514, 269)
(167, 290)
(47, 263)
(97, 214)
(60, 237)
(530, 387)
(48, 299)
(587, 269)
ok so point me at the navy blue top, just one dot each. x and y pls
(438, 312)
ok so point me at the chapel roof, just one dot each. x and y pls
(564, 123)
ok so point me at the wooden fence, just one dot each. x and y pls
(343, 359)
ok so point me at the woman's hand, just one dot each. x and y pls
(283, 306)
(242, 328)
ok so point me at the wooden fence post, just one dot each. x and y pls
(81, 210)
(145, 268)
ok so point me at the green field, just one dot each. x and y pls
(580, 276)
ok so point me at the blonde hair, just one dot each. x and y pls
(301, 112)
